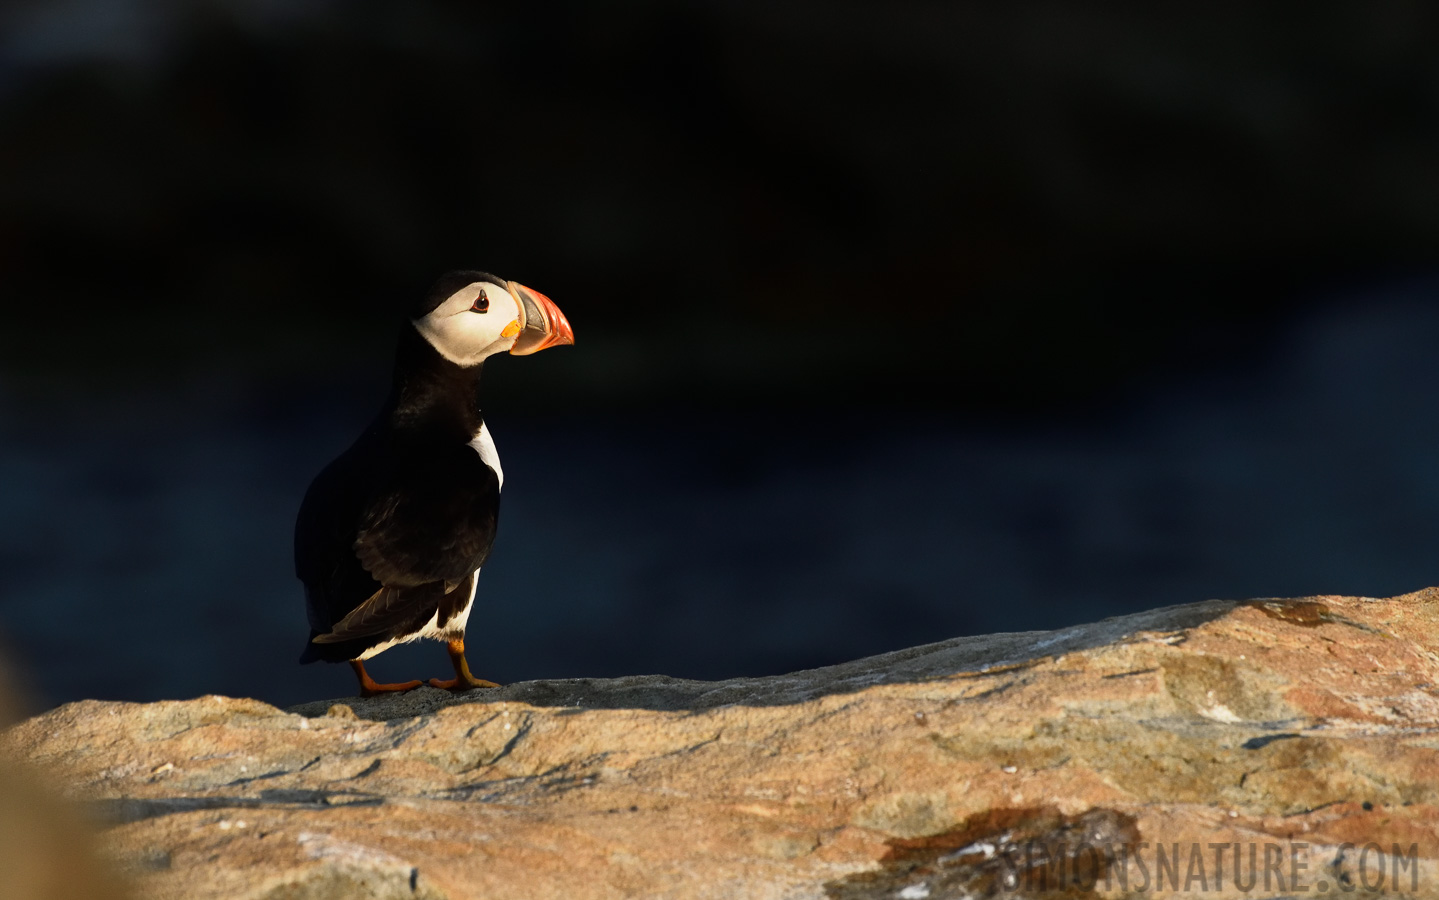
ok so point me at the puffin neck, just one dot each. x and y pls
(430, 393)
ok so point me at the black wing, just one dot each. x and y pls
(432, 520)
(325, 561)
(385, 539)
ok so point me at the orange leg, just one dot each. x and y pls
(463, 680)
(368, 687)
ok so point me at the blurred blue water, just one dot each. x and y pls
(145, 538)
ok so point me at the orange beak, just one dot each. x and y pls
(545, 325)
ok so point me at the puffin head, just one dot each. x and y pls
(469, 316)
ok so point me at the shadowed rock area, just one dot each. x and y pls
(1005, 765)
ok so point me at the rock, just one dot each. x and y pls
(1299, 731)
(46, 847)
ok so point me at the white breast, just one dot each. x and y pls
(485, 446)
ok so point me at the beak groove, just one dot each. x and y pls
(545, 326)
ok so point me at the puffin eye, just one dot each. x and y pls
(482, 303)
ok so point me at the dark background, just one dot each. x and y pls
(896, 321)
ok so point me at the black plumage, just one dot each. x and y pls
(447, 284)
(390, 533)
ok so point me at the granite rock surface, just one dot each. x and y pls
(1098, 759)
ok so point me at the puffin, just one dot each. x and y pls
(392, 534)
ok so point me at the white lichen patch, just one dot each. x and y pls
(1220, 713)
(324, 846)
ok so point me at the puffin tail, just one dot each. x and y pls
(312, 651)
(340, 651)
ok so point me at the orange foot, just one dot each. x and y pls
(461, 684)
(370, 688)
(463, 680)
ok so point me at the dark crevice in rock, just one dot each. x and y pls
(1000, 852)
(562, 778)
(521, 730)
(1267, 739)
(371, 769)
(124, 810)
(1133, 673)
(1307, 613)
(253, 778)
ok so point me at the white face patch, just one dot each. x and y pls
(468, 338)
